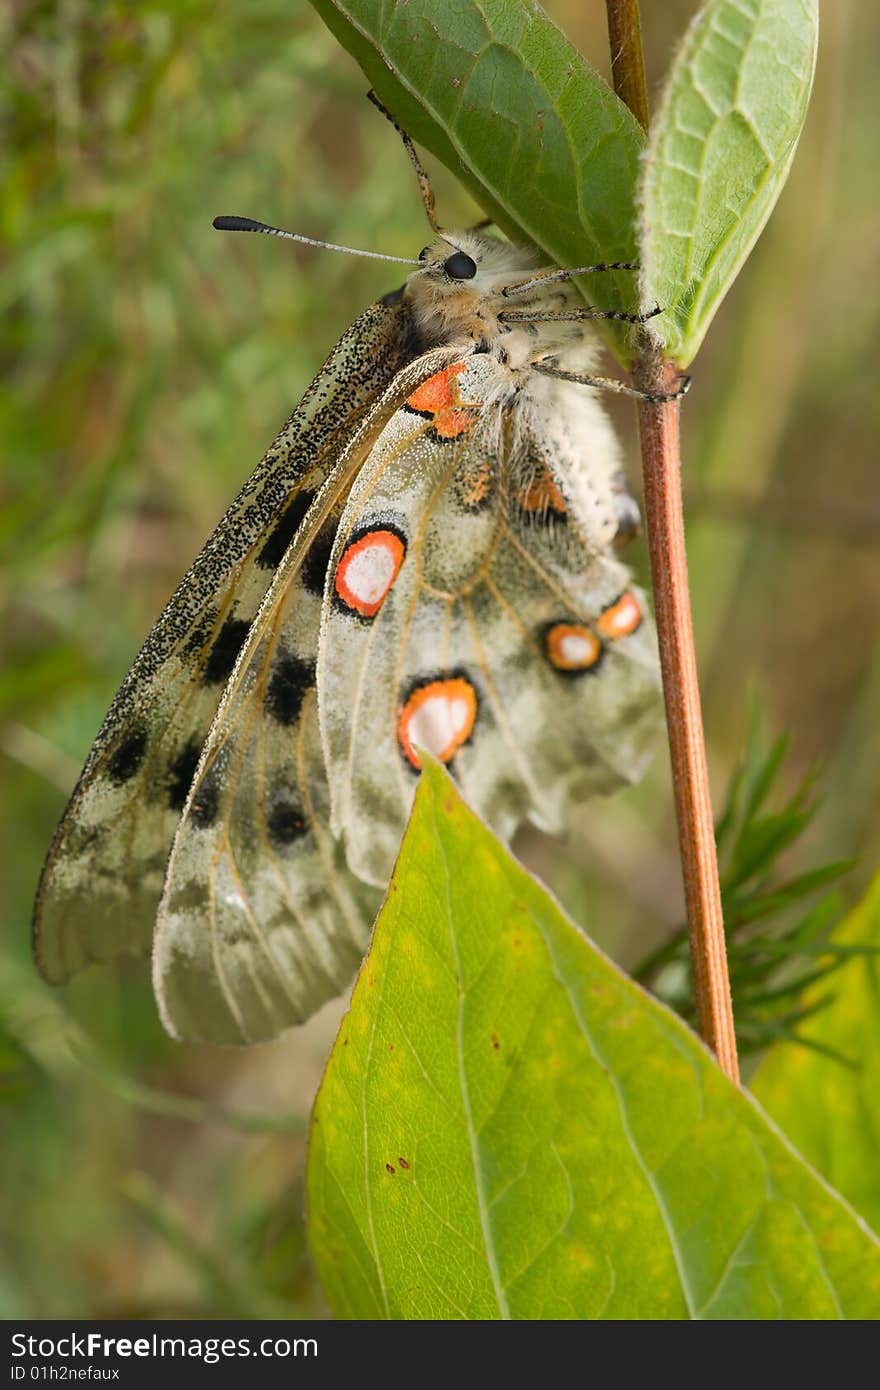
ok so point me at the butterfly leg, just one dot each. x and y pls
(425, 188)
(609, 383)
(574, 315)
(548, 277)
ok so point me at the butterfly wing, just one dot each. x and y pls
(103, 876)
(474, 607)
(261, 921)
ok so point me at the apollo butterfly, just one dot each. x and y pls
(424, 559)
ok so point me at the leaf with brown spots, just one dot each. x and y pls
(600, 1167)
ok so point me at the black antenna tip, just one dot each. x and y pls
(239, 224)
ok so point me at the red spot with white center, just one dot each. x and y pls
(572, 647)
(438, 716)
(367, 570)
(622, 618)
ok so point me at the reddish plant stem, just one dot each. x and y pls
(627, 60)
(661, 467)
(664, 518)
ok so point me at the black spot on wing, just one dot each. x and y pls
(82, 839)
(183, 770)
(314, 570)
(284, 531)
(227, 645)
(286, 824)
(201, 633)
(206, 802)
(291, 678)
(128, 756)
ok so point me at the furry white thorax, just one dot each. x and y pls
(581, 448)
(466, 312)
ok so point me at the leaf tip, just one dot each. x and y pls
(436, 785)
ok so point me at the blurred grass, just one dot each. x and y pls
(146, 362)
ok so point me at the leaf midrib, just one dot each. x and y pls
(574, 1004)
(473, 1142)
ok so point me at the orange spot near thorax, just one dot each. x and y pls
(439, 398)
(478, 486)
(439, 392)
(541, 495)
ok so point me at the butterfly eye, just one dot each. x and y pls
(460, 267)
(424, 253)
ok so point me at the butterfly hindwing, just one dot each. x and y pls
(474, 606)
(103, 876)
(261, 920)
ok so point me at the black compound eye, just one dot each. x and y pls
(460, 266)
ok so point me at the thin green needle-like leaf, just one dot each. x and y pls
(761, 778)
(739, 912)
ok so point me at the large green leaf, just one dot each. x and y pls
(509, 1127)
(831, 1108)
(494, 90)
(720, 150)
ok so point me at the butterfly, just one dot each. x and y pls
(425, 559)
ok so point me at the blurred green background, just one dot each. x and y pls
(146, 363)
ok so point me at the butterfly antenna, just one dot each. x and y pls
(247, 224)
(425, 188)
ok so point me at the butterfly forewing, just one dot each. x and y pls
(103, 876)
(261, 920)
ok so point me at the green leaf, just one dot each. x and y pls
(832, 1111)
(496, 92)
(508, 1127)
(720, 150)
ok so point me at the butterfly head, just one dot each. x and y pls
(458, 293)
